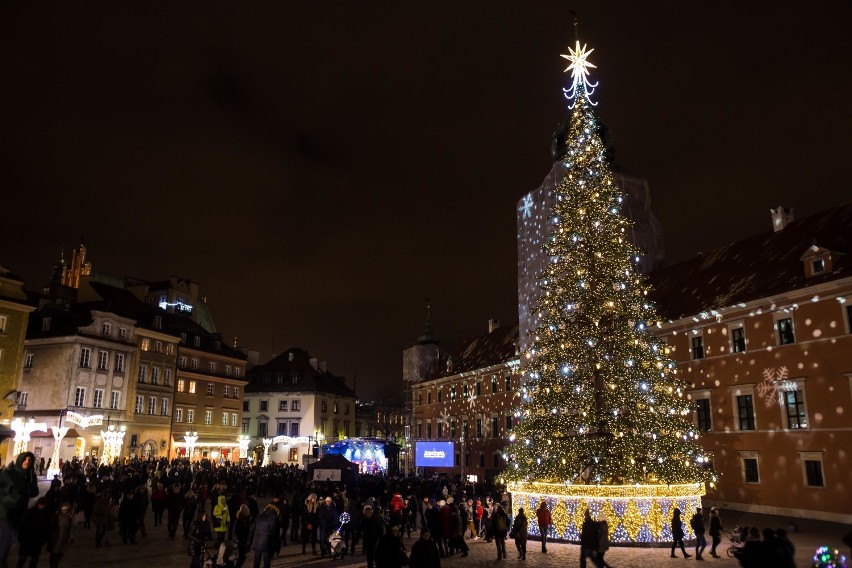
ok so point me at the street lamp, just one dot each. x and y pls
(190, 438)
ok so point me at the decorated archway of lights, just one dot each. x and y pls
(635, 513)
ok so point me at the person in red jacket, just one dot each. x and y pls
(542, 515)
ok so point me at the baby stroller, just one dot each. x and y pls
(336, 543)
(737, 540)
(227, 555)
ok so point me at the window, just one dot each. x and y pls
(236, 392)
(28, 361)
(509, 423)
(697, 348)
(323, 406)
(818, 265)
(178, 414)
(495, 427)
(155, 375)
(702, 415)
(785, 331)
(227, 370)
(261, 429)
(164, 407)
(345, 409)
(812, 469)
(208, 417)
(180, 385)
(80, 396)
(440, 395)
(158, 323)
(22, 398)
(478, 388)
(143, 371)
(106, 330)
(234, 419)
(45, 324)
(122, 333)
(226, 391)
(479, 427)
(114, 400)
(244, 428)
(346, 429)
(211, 389)
(453, 429)
(183, 337)
(224, 419)
(170, 349)
(193, 364)
(191, 387)
(167, 377)
(295, 406)
(493, 385)
(98, 401)
(85, 357)
(140, 402)
(146, 344)
(264, 406)
(294, 454)
(452, 393)
(429, 397)
(197, 341)
(465, 392)
(236, 371)
(282, 406)
(190, 415)
(103, 360)
(794, 409)
(245, 406)
(481, 459)
(428, 430)
(419, 431)
(182, 362)
(119, 363)
(507, 386)
(738, 343)
(158, 346)
(211, 367)
(750, 471)
(336, 409)
(745, 411)
(152, 405)
(849, 318)
(282, 429)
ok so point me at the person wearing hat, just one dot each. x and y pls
(715, 532)
(424, 552)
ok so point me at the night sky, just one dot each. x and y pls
(320, 168)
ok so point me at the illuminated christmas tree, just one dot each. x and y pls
(601, 403)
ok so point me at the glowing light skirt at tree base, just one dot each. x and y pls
(826, 558)
(636, 514)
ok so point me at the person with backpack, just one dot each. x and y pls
(696, 523)
(499, 528)
(542, 516)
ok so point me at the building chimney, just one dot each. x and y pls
(781, 217)
(322, 366)
(290, 356)
(314, 363)
(493, 324)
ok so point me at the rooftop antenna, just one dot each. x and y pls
(576, 22)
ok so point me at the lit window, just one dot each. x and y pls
(785, 331)
(191, 387)
(180, 385)
(794, 409)
(146, 344)
(295, 405)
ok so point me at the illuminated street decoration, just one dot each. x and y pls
(243, 442)
(179, 306)
(190, 438)
(113, 441)
(22, 432)
(266, 443)
(58, 434)
(603, 417)
(774, 385)
(84, 421)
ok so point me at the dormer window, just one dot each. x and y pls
(818, 266)
(817, 261)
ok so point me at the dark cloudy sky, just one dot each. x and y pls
(322, 167)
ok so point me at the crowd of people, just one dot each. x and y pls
(214, 507)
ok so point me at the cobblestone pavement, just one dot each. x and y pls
(157, 550)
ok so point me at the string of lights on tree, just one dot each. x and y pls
(600, 402)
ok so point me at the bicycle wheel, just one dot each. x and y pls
(732, 552)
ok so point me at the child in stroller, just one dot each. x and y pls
(737, 540)
(336, 543)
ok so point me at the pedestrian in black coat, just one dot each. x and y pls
(520, 532)
(263, 536)
(696, 523)
(589, 541)
(242, 528)
(128, 518)
(677, 533)
(499, 529)
(33, 535)
(174, 505)
(389, 550)
(372, 530)
(715, 531)
(425, 553)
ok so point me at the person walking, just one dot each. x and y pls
(174, 505)
(327, 523)
(190, 508)
(100, 515)
(142, 501)
(32, 535)
(59, 534)
(199, 532)
(128, 518)
(677, 533)
(520, 532)
(589, 541)
(309, 519)
(221, 519)
(542, 516)
(372, 530)
(696, 523)
(18, 484)
(499, 528)
(424, 552)
(264, 536)
(715, 531)
(603, 540)
(242, 528)
(389, 549)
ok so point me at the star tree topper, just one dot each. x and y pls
(579, 71)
